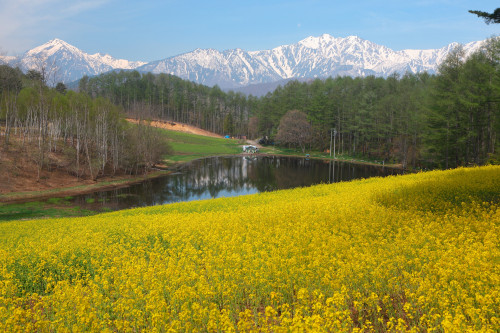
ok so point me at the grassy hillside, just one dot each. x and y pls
(189, 146)
(417, 252)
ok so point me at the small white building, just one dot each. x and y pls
(250, 149)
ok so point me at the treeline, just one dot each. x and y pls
(376, 117)
(55, 128)
(168, 97)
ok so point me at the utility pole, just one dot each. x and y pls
(333, 132)
(331, 136)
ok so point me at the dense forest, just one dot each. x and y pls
(419, 120)
(55, 128)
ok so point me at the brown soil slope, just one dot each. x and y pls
(19, 174)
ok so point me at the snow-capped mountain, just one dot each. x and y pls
(312, 57)
(6, 59)
(63, 62)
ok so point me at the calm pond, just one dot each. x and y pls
(229, 176)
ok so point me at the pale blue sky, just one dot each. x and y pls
(153, 30)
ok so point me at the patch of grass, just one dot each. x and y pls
(189, 146)
(59, 201)
(37, 209)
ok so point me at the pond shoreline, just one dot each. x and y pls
(353, 161)
(122, 182)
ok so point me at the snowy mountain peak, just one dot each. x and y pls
(57, 41)
(68, 63)
(317, 42)
(311, 42)
(52, 47)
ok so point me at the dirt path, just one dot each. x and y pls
(179, 127)
(254, 143)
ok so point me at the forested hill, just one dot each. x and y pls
(168, 97)
(55, 129)
(420, 120)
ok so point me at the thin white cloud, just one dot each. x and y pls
(21, 20)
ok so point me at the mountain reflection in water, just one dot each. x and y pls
(230, 176)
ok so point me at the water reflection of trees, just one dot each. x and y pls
(207, 178)
(230, 176)
(272, 173)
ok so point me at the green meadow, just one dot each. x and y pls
(189, 147)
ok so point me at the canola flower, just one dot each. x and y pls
(416, 253)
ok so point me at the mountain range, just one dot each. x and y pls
(312, 57)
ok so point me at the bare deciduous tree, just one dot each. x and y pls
(294, 129)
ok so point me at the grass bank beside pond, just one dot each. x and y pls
(50, 208)
(109, 183)
(188, 147)
(56, 202)
(274, 150)
(413, 253)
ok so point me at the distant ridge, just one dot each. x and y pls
(312, 57)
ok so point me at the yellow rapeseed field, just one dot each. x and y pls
(417, 253)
